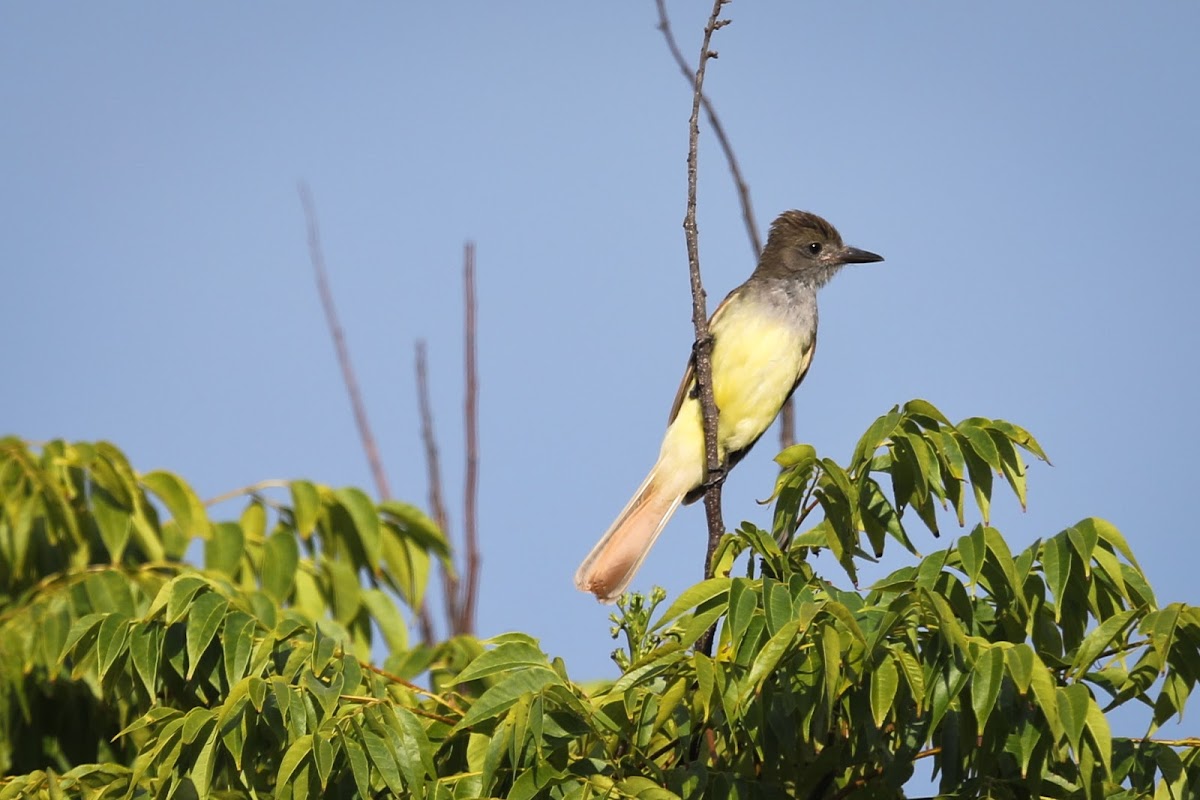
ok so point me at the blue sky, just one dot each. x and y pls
(1029, 172)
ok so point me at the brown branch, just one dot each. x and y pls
(434, 471)
(339, 343)
(714, 121)
(787, 424)
(343, 356)
(787, 415)
(702, 349)
(471, 424)
(412, 687)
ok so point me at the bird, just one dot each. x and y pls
(764, 334)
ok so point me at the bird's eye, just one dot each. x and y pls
(815, 248)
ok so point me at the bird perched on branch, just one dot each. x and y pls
(764, 334)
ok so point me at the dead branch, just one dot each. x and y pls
(471, 424)
(317, 255)
(437, 506)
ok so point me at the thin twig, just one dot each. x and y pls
(743, 189)
(434, 470)
(787, 415)
(274, 483)
(348, 376)
(703, 345)
(339, 343)
(471, 423)
(407, 684)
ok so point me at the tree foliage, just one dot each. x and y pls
(127, 671)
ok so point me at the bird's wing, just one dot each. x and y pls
(687, 385)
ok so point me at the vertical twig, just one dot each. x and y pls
(339, 342)
(471, 423)
(703, 344)
(787, 424)
(743, 189)
(317, 255)
(433, 468)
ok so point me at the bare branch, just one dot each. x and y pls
(434, 471)
(471, 423)
(743, 190)
(787, 416)
(339, 343)
(343, 356)
(702, 350)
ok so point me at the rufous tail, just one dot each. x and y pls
(611, 565)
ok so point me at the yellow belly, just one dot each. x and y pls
(756, 360)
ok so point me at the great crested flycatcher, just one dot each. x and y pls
(764, 334)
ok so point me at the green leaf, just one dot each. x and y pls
(972, 550)
(82, 634)
(109, 590)
(414, 750)
(237, 642)
(693, 597)
(280, 558)
(880, 431)
(669, 701)
(418, 528)
(743, 603)
(345, 588)
(292, 758)
(923, 408)
(986, 679)
(778, 605)
(1003, 558)
(795, 455)
(111, 639)
(1020, 437)
(1019, 660)
(180, 593)
(913, 675)
(831, 654)
(884, 682)
(306, 506)
(1072, 702)
(1011, 464)
(1099, 640)
(358, 763)
(145, 647)
(1107, 532)
(387, 617)
(365, 518)
(1056, 564)
(224, 548)
(182, 503)
(1100, 733)
(500, 697)
(768, 659)
(1044, 687)
(254, 521)
(204, 618)
(976, 435)
(507, 657)
(114, 521)
(322, 758)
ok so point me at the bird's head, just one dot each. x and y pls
(803, 245)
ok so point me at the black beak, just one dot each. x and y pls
(852, 255)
